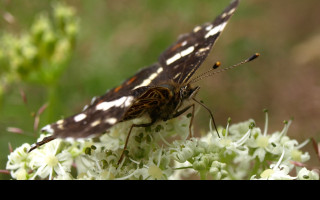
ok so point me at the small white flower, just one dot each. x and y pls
(64, 176)
(152, 171)
(218, 170)
(107, 175)
(305, 174)
(264, 143)
(18, 162)
(276, 171)
(155, 172)
(239, 129)
(47, 161)
(20, 174)
(183, 150)
(243, 161)
(109, 142)
(231, 145)
(181, 171)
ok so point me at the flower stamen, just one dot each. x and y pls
(246, 136)
(266, 122)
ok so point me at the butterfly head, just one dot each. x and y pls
(188, 92)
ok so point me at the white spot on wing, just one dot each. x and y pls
(79, 117)
(173, 58)
(187, 51)
(216, 30)
(111, 120)
(208, 28)
(126, 101)
(85, 107)
(147, 81)
(231, 11)
(159, 70)
(202, 50)
(150, 78)
(60, 124)
(47, 128)
(95, 123)
(177, 56)
(184, 43)
(196, 29)
(93, 100)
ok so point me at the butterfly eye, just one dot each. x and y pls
(184, 92)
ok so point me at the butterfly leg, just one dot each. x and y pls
(214, 123)
(127, 139)
(178, 113)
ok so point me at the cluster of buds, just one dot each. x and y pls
(40, 54)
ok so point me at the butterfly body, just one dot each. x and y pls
(160, 102)
(159, 91)
(152, 101)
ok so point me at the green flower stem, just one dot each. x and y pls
(190, 167)
(203, 174)
(256, 167)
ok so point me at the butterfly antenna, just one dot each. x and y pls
(44, 141)
(217, 64)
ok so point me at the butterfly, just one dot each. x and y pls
(158, 91)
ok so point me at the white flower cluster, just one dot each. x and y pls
(242, 151)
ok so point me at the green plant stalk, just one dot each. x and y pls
(203, 174)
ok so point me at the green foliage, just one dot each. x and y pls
(34, 57)
(41, 54)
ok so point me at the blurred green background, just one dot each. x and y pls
(116, 38)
